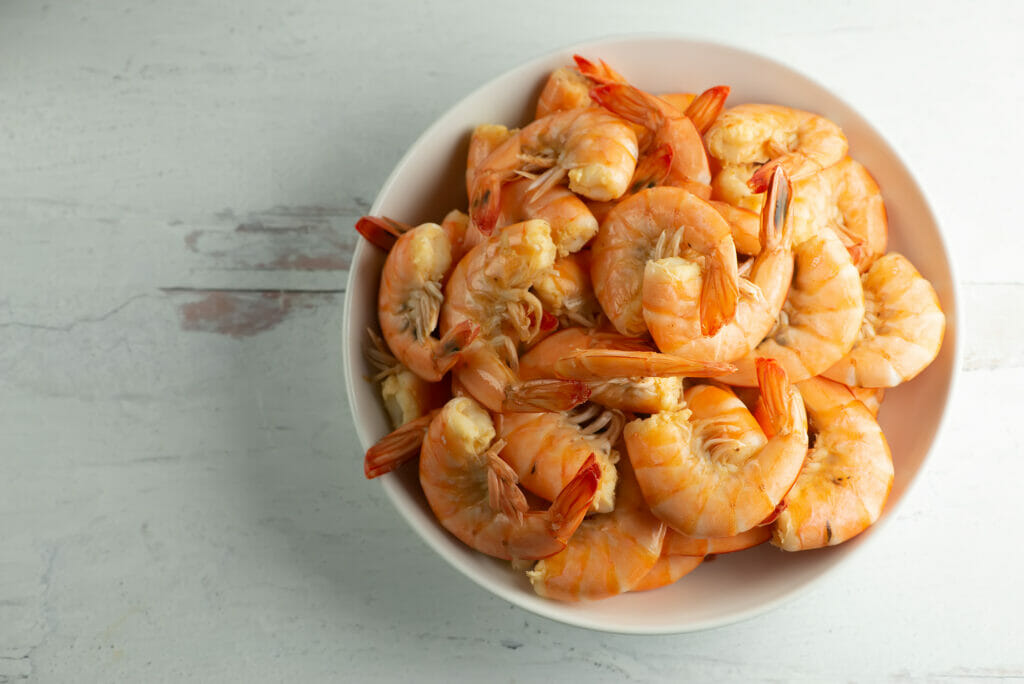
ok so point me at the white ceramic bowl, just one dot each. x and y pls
(429, 181)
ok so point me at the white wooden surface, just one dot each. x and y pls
(180, 488)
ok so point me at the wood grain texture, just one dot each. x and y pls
(181, 493)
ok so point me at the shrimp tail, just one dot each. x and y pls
(599, 73)
(706, 107)
(485, 204)
(652, 169)
(775, 230)
(777, 397)
(398, 447)
(627, 102)
(545, 395)
(573, 502)
(381, 231)
(720, 290)
(599, 364)
(452, 344)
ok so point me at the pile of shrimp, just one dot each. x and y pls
(660, 331)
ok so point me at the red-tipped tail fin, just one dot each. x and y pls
(381, 231)
(706, 107)
(573, 502)
(397, 448)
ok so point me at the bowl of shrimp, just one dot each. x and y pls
(639, 305)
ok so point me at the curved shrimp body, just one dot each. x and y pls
(609, 553)
(410, 299)
(546, 450)
(902, 329)
(489, 289)
(567, 293)
(668, 127)
(847, 477)
(772, 135)
(474, 495)
(632, 235)
(845, 198)
(597, 150)
(632, 394)
(820, 318)
(708, 471)
(668, 302)
(490, 285)
(572, 224)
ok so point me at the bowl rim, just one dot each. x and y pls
(429, 534)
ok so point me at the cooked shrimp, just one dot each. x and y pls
(902, 329)
(546, 450)
(668, 286)
(609, 553)
(406, 395)
(473, 492)
(707, 471)
(572, 224)
(567, 293)
(847, 476)
(631, 394)
(410, 299)
(668, 128)
(631, 236)
(771, 135)
(845, 198)
(489, 289)
(819, 321)
(398, 447)
(597, 150)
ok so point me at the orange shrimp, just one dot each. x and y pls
(597, 151)
(632, 394)
(820, 318)
(707, 471)
(772, 135)
(489, 289)
(670, 308)
(902, 329)
(572, 224)
(668, 128)
(609, 553)
(567, 293)
(473, 493)
(410, 300)
(845, 198)
(632, 235)
(668, 570)
(846, 479)
(546, 450)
